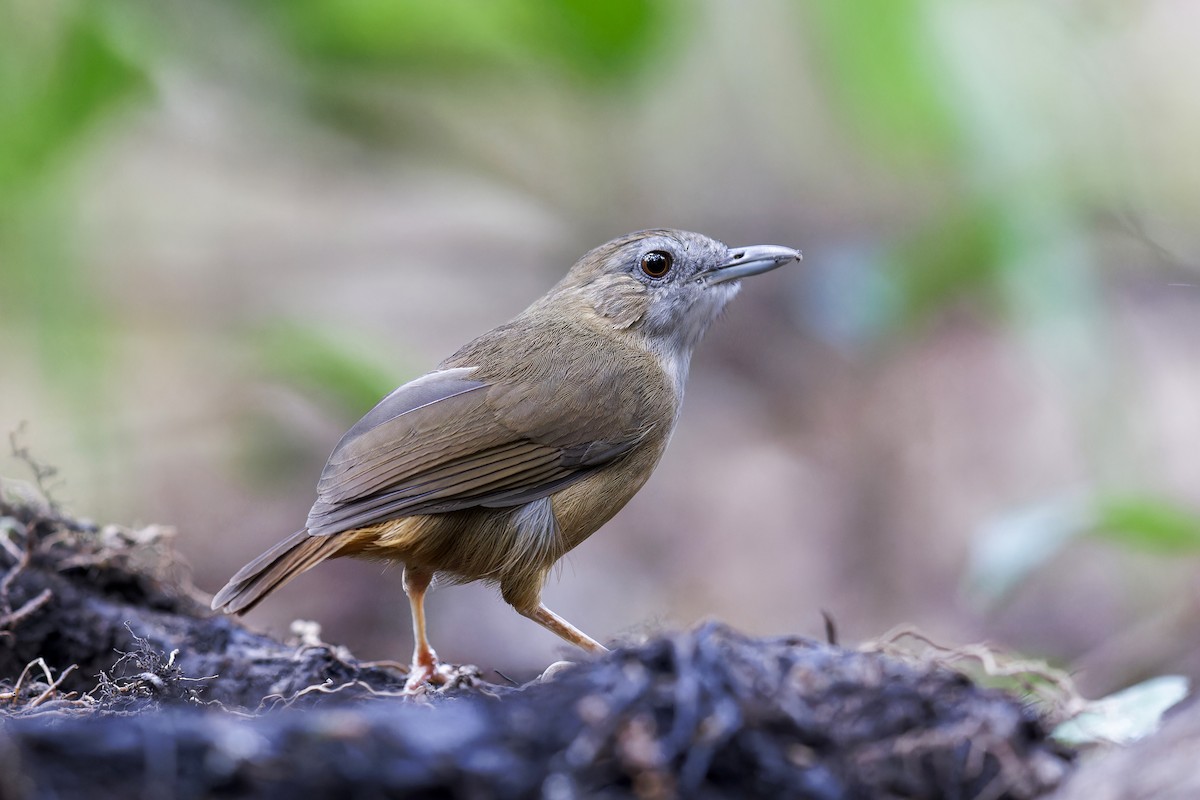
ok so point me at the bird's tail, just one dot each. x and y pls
(295, 554)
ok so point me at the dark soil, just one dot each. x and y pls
(116, 681)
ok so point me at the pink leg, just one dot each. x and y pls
(556, 624)
(425, 666)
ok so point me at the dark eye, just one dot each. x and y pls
(657, 263)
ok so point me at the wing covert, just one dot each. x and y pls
(446, 442)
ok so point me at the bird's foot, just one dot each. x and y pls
(426, 670)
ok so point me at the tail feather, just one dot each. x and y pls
(298, 553)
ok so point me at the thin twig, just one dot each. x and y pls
(14, 618)
(53, 687)
(11, 547)
(42, 473)
(22, 561)
(15, 694)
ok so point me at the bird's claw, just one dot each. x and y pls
(429, 672)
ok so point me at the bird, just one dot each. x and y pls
(525, 441)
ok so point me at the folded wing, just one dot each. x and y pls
(446, 442)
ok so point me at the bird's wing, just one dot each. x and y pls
(446, 442)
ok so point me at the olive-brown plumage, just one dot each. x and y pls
(525, 441)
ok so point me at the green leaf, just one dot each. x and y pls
(1125, 716)
(1149, 524)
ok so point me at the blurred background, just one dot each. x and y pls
(228, 228)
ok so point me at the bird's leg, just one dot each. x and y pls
(557, 625)
(425, 666)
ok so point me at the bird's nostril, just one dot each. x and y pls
(738, 255)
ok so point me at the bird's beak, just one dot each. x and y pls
(745, 261)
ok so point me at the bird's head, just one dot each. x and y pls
(666, 285)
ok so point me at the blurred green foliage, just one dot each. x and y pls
(957, 251)
(599, 42)
(1010, 549)
(328, 365)
(58, 80)
(1004, 222)
(879, 56)
(1149, 524)
(56, 83)
(936, 103)
(964, 123)
(887, 65)
(340, 372)
(66, 69)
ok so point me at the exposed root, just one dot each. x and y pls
(1053, 687)
(275, 701)
(22, 699)
(13, 618)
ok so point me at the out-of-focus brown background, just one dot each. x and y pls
(227, 228)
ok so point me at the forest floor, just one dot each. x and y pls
(117, 681)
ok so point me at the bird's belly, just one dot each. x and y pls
(583, 507)
(465, 545)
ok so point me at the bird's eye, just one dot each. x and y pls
(657, 263)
